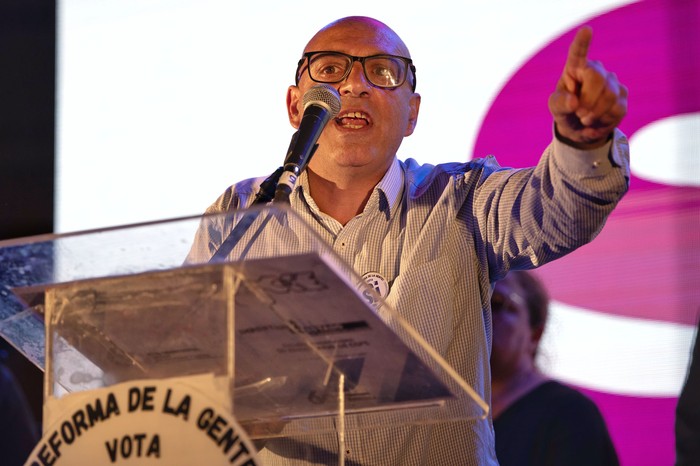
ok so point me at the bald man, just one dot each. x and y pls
(436, 238)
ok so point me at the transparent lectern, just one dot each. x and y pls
(302, 344)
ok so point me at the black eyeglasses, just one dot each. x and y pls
(385, 71)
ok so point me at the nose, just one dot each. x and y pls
(356, 82)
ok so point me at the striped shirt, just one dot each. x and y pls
(439, 236)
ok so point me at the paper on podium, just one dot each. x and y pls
(282, 328)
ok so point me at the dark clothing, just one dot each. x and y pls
(553, 425)
(18, 433)
(688, 413)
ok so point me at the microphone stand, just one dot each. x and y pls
(291, 172)
(265, 194)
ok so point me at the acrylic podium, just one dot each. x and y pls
(249, 310)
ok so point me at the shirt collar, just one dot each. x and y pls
(391, 186)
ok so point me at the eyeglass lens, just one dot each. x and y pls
(382, 71)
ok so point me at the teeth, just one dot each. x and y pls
(354, 115)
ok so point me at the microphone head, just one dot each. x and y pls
(325, 95)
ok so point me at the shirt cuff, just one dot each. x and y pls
(590, 162)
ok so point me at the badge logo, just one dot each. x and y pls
(379, 284)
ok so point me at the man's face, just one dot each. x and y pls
(372, 121)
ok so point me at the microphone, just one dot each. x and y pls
(321, 104)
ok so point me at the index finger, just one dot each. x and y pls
(578, 51)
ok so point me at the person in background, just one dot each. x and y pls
(688, 412)
(538, 421)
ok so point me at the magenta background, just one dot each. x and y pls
(646, 261)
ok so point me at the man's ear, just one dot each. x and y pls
(414, 107)
(294, 106)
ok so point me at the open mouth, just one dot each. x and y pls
(353, 120)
